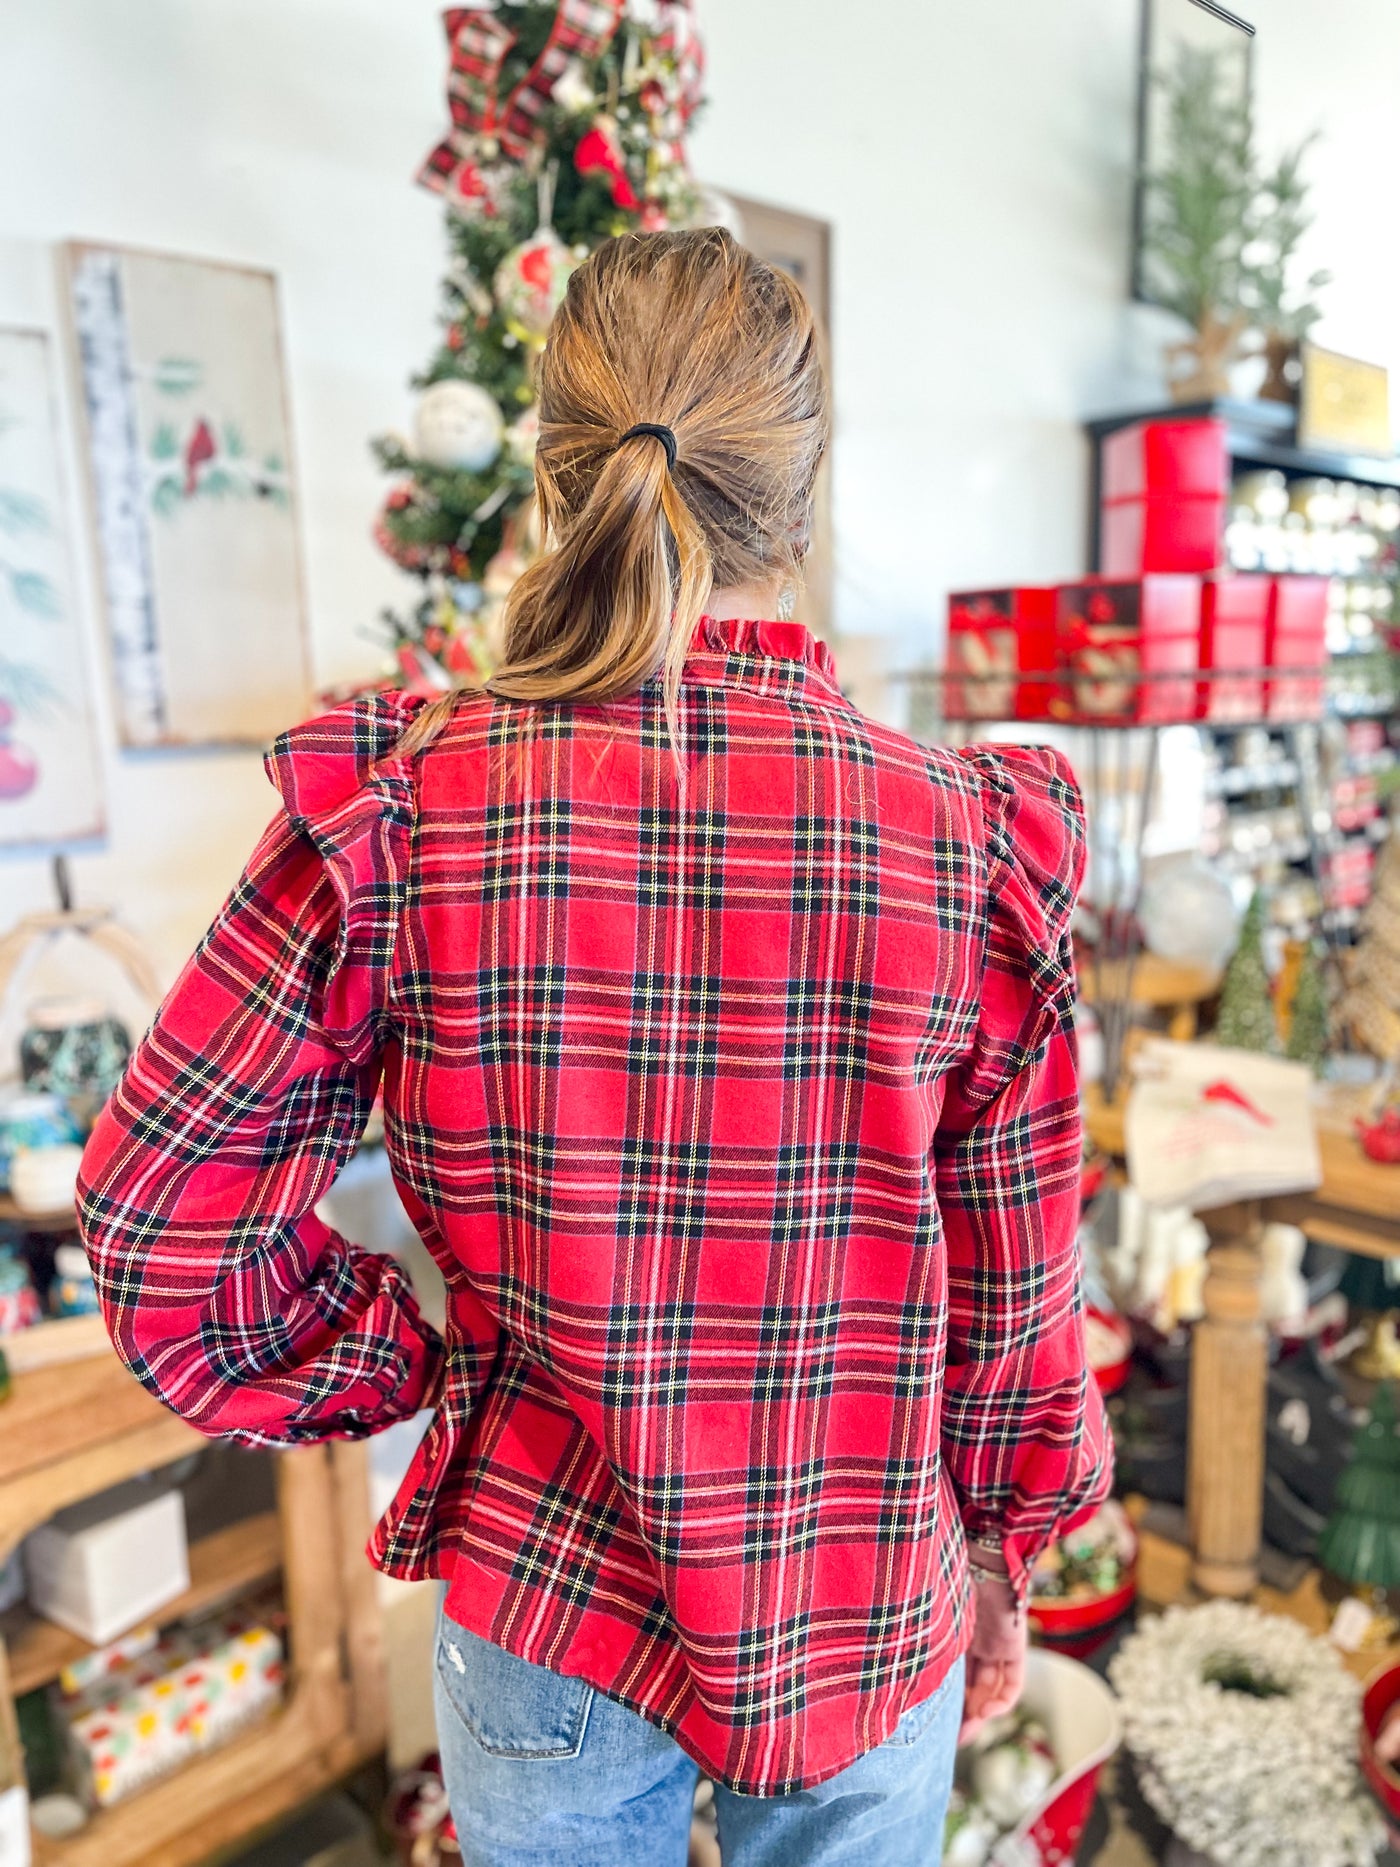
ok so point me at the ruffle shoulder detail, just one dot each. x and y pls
(345, 788)
(1036, 845)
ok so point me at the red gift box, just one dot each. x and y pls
(1164, 493)
(995, 637)
(1297, 638)
(1346, 875)
(1234, 635)
(1119, 645)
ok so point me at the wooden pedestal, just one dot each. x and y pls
(1225, 1468)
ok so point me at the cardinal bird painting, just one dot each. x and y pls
(199, 451)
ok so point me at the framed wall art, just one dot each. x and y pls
(50, 766)
(193, 496)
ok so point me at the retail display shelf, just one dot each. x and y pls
(1261, 432)
(63, 1219)
(224, 1564)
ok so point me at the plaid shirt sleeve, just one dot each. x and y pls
(1024, 1432)
(224, 1293)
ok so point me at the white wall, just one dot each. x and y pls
(975, 162)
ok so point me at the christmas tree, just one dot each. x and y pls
(1308, 1021)
(1361, 1542)
(1372, 1003)
(1246, 1020)
(568, 126)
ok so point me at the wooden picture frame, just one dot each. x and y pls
(187, 426)
(1344, 404)
(801, 245)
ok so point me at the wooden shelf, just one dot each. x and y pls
(221, 1566)
(64, 1219)
(69, 1431)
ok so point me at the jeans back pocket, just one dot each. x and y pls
(511, 1707)
(917, 1720)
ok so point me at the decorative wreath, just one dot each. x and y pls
(1244, 1727)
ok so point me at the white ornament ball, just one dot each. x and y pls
(713, 209)
(522, 436)
(532, 279)
(571, 89)
(501, 572)
(459, 426)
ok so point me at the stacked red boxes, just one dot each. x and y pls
(1001, 654)
(1164, 491)
(1234, 647)
(1347, 875)
(1297, 639)
(1130, 650)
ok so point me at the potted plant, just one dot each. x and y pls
(1284, 316)
(1196, 216)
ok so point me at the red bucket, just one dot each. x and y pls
(1382, 1692)
(1080, 1716)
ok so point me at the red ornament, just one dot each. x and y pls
(1381, 1139)
(459, 658)
(600, 153)
(1101, 608)
(455, 340)
(653, 217)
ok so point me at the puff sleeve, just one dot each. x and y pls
(1024, 1434)
(224, 1293)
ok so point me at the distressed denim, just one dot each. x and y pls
(544, 1771)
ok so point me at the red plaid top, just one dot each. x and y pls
(744, 1128)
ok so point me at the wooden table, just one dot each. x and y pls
(1356, 1207)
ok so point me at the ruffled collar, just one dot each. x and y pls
(765, 639)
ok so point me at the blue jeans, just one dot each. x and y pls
(543, 1771)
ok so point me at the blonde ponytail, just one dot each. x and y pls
(691, 333)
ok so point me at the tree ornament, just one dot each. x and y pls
(1246, 1020)
(600, 153)
(572, 91)
(522, 436)
(714, 209)
(499, 577)
(458, 426)
(1361, 1543)
(530, 284)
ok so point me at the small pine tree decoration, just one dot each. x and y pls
(1371, 1007)
(1246, 1020)
(1308, 1022)
(1361, 1542)
(1196, 215)
(568, 126)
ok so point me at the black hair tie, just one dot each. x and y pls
(657, 433)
